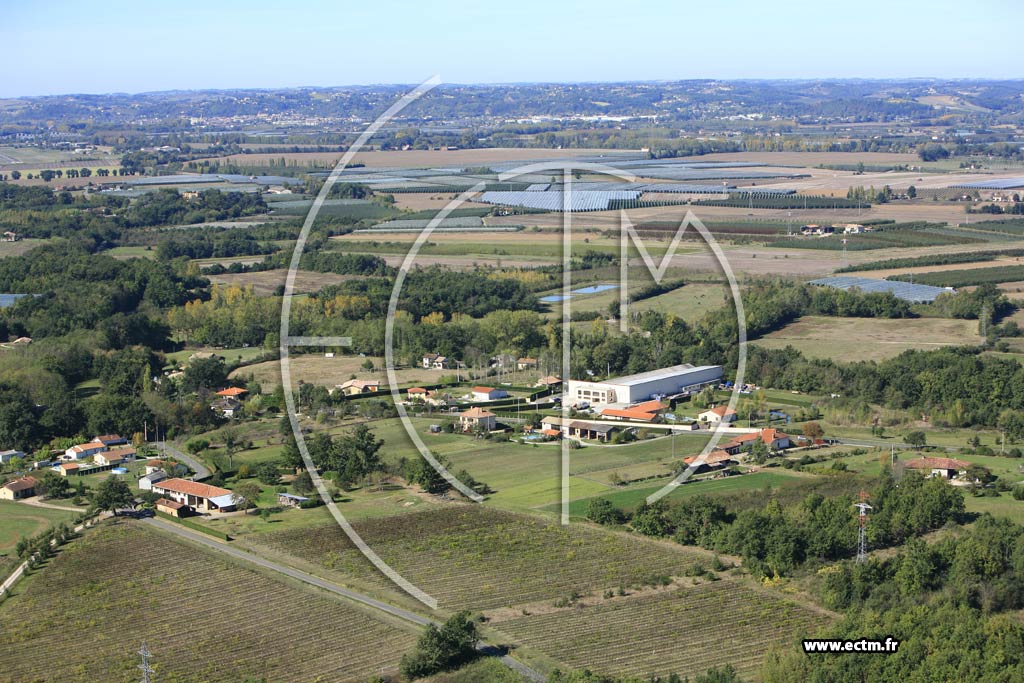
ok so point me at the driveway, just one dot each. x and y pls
(201, 471)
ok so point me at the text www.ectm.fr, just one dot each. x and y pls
(886, 646)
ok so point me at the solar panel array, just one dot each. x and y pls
(901, 290)
(553, 201)
(538, 187)
(997, 184)
(679, 188)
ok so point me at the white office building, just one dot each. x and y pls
(673, 381)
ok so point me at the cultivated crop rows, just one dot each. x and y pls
(686, 631)
(478, 558)
(203, 618)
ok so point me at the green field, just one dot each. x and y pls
(685, 631)
(854, 339)
(206, 620)
(528, 476)
(474, 557)
(629, 498)
(19, 519)
(237, 356)
(690, 302)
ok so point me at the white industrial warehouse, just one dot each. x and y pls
(673, 381)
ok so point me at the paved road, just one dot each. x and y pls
(394, 611)
(199, 468)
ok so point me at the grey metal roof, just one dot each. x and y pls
(996, 184)
(663, 373)
(584, 200)
(901, 290)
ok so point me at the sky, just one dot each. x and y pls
(64, 46)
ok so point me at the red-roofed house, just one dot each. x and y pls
(772, 438)
(83, 451)
(645, 412)
(948, 468)
(477, 418)
(19, 488)
(195, 495)
(233, 392)
(488, 393)
(171, 507)
(718, 414)
(358, 386)
(715, 460)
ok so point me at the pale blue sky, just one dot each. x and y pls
(62, 46)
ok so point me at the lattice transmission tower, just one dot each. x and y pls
(147, 671)
(862, 537)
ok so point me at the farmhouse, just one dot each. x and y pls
(526, 363)
(83, 451)
(196, 496)
(114, 456)
(171, 507)
(814, 229)
(718, 414)
(947, 468)
(226, 406)
(772, 438)
(849, 228)
(232, 392)
(672, 381)
(354, 387)
(715, 460)
(146, 481)
(477, 418)
(417, 393)
(583, 429)
(7, 456)
(433, 361)
(550, 381)
(488, 393)
(19, 488)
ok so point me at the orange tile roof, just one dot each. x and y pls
(232, 391)
(721, 411)
(766, 435)
(482, 390)
(69, 465)
(416, 390)
(23, 484)
(928, 463)
(477, 412)
(714, 457)
(191, 488)
(550, 432)
(631, 413)
(173, 504)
